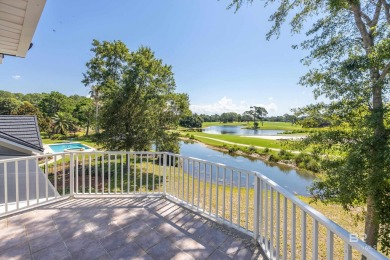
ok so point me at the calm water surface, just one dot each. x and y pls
(238, 130)
(295, 181)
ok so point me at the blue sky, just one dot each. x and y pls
(221, 59)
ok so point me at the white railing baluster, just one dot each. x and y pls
(285, 228)
(36, 179)
(71, 174)
(55, 176)
(165, 174)
(128, 173)
(261, 207)
(315, 240)
(122, 175)
(347, 251)
(154, 163)
(63, 175)
(102, 164)
(271, 225)
(96, 174)
(247, 202)
(83, 174)
(147, 173)
(204, 187)
(89, 173)
(46, 180)
(77, 174)
(256, 219)
(293, 232)
(198, 185)
(193, 184)
(224, 194)
(135, 173)
(188, 180)
(239, 200)
(216, 191)
(231, 198)
(277, 225)
(116, 173)
(210, 189)
(28, 183)
(5, 187)
(329, 245)
(17, 184)
(266, 217)
(303, 234)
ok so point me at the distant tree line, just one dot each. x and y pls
(56, 112)
(245, 117)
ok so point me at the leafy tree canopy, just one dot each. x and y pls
(349, 60)
(138, 99)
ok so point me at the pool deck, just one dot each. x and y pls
(120, 228)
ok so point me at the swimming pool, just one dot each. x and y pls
(59, 148)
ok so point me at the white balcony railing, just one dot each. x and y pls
(284, 226)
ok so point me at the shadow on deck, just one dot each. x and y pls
(120, 228)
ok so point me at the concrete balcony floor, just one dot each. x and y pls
(120, 228)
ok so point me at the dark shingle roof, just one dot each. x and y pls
(23, 130)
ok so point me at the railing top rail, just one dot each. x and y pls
(23, 158)
(214, 163)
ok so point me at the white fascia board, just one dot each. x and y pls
(33, 13)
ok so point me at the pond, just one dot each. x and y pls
(295, 181)
(238, 130)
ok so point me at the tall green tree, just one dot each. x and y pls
(84, 113)
(26, 108)
(138, 99)
(349, 46)
(55, 102)
(9, 106)
(63, 123)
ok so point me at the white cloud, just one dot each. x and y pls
(16, 77)
(226, 104)
(270, 98)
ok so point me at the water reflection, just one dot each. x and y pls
(295, 181)
(238, 130)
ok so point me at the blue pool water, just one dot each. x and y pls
(59, 148)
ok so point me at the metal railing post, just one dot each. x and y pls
(257, 208)
(71, 174)
(165, 174)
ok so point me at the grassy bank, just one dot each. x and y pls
(238, 140)
(266, 126)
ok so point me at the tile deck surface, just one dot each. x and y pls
(124, 228)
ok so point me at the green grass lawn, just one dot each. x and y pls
(203, 137)
(267, 125)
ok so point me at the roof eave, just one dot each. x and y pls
(33, 13)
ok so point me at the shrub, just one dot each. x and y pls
(192, 137)
(252, 149)
(273, 158)
(233, 149)
(266, 150)
(58, 137)
(313, 166)
(285, 154)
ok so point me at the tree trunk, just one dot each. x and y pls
(96, 117)
(87, 133)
